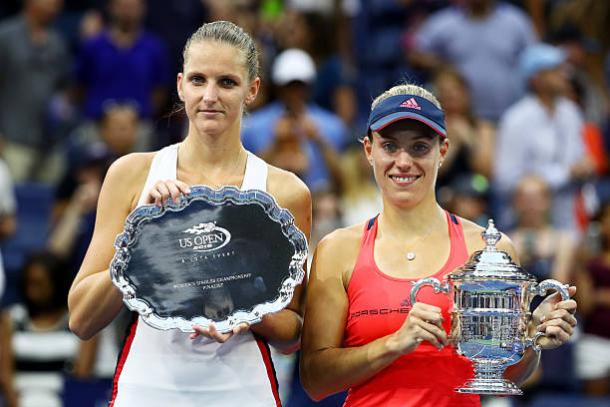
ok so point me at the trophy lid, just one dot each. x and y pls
(490, 263)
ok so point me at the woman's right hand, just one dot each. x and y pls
(212, 333)
(164, 189)
(424, 323)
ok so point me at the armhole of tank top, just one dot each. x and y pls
(458, 239)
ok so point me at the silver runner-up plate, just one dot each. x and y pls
(217, 256)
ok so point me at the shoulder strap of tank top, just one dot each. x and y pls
(364, 260)
(368, 239)
(163, 166)
(256, 174)
(456, 231)
(371, 222)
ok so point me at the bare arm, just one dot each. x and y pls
(61, 241)
(6, 361)
(85, 358)
(326, 366)
(8, 225)
(93, 300)
(283, 329)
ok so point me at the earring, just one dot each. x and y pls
(440, 164)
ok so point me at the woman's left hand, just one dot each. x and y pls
(556, 319)
(211, 333)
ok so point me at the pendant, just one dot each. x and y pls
(410, 256)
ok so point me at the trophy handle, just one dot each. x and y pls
(434, 282)
(541, 289)
(549, 284)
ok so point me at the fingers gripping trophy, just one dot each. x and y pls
(490, 315)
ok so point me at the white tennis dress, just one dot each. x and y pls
(166, 368)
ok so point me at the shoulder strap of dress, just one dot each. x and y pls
(163, 166)
(256, 173)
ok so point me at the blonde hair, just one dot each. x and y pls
(231, 34)
(406, 89)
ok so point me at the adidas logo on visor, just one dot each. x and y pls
(410, 104)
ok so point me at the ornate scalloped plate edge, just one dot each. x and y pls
(145, 213)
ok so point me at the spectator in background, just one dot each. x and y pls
(360, 198)
(293, 73)
(467, 196)
(593, 348)
(8, 221)
(124, 63)
(593, 18)
(592, 98)
(89, 155)
(326, 214)
(115, 134)
(472, 139)
(482, 40)
(7, 227)
(382, 29)
(333, 88)
(8, 396)
(41, 346)
(545, 252)
(541, 135)
(288, 150)
(593, 138)
(174, 21)
(75, 213)
(34, 65)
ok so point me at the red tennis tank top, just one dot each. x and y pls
(378, 306)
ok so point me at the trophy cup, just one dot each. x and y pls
(491, 300)
(222, 256)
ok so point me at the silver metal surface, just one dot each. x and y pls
(125, 242)
(491, 300)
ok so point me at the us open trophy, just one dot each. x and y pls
(491, 300)
(222, 256)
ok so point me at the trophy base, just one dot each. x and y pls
(497, 387)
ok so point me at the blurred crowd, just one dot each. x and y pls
(524, 86)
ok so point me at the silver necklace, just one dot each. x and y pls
(411, 255)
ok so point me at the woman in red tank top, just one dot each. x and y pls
(361, 332)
